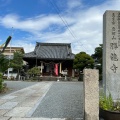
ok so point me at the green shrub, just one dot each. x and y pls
(107, 103)
(1, 82)
(34, 71)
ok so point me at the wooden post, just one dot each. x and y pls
(60, 67)
(41, 68)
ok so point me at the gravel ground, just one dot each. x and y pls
(16, 85)
(63, 100)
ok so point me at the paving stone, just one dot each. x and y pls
(37, 87)
(4, 118)
(37, 95)
(29, 102)
(18, 99)
(38, 92)
(21, 91)
(32, 98)
(37, 119)
(8, 105)
(27, 92)
(2, 101)
(2, 112)
(8, 97)
(18, 112)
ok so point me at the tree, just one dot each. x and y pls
(17, 61)
(83, 60)
(97, 56)
(4, 62)
(34, 71)
(1, 82)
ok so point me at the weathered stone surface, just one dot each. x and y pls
(29, 102)
(111, 53)
(19, 99)
(26, 92)
(9, 97)
(2, 112)
(18, 112)
(5, 118)
(38, 119)
(8, 105)
(22, 102)
(37, 95)
(91, 94)
(2, 101)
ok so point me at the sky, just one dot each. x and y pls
(79, 22)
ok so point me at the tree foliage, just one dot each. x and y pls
(34, 71)
(4, 62)
(83, 60)
(97, 56)
(17, 61)
(1, 82)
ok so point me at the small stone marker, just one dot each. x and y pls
(111, 53)
(91, 94)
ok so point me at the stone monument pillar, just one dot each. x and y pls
(91, 94)
(111, 53)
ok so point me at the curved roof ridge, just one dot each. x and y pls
(41, 43)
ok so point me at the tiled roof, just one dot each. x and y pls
(51, 51)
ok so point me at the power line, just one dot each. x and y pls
(63, 20)
(52, 2)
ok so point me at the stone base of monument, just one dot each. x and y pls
(109, 115)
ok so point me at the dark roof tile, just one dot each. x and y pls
(51, 51)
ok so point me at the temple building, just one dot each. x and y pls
(52, 58)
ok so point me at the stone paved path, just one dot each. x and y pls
(16, 85)
(21, 105)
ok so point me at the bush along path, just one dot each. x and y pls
(3, 86)
(1, 82)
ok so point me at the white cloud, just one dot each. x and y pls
(74, 3)
(32, 24)
(28, 47)
(85, 27)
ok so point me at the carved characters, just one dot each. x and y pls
(114, 68)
